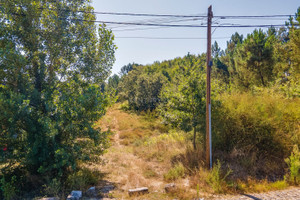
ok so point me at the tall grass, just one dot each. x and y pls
(257, 129)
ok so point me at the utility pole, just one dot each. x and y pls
(208, 88)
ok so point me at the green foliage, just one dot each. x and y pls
(294, 166)
(261, 123)
(288, 59)
(50, 71)
(141, 89)
(178, 171)
(127, 68)
(183, 102)
(83, 179)
(216, 178)
(113, 82)
(8, 188)
(255, 97)
(165, 138)
(53, 188)
(255, 131)
(254, 60)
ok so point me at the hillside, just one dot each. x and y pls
(143, 153)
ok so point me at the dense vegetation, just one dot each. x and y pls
(54, 63)
(255, 98)
(53, 60)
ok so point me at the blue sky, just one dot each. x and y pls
(145, 51)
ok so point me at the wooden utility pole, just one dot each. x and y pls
(208, 105)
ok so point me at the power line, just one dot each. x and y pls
(161, 21)
(147, 15)
(172, 15)
(169, 38)
(180, 25)
(183, 16)
(127, 14)
(251, 16)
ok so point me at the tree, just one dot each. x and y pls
(183, 99)
(52, 60)
(287, 53)
(227, 61)
(254, 60)
(112, 85)
(141, 89)
(219, 70)
(127, 68)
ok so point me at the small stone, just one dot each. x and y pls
(138, 191)
(91, 192)
(170, 187)
(107, 189)
(70, 197)
(75, 195)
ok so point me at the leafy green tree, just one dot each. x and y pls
(141, 89)
(287, 51)
(227, 61)
(183, 99)
(219, 69)
(113, 81)
(52, 60)
(254, 60)
(112, 84)
(127, 68)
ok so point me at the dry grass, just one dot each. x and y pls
(257, 186)
(141, 154)
(145, 153)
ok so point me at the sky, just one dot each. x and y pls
(146, 51)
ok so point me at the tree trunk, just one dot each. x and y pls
(194, 139)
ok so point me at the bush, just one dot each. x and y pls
(216, 179)
(8, 188)
(294, 166)
(83, 179)
(53, 188)
(260, 128)
(178, 171)
(50, 104)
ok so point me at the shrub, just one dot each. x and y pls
(294, 166)
(83, 178)
(8, 188)
(260, 128)
(51, 103)
(53, 188)
(178, 171)
(216, 179)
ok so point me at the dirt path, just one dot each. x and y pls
(125, 170)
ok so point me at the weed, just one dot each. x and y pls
(294, 166)
(83, 178)
(178, 171)
(215, 178)
(52, 188)
(252, 185)
(149, 173)
(8, 188)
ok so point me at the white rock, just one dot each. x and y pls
(138, 191)
(75, 195)
(170, 187)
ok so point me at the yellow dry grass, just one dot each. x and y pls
(140, 153)
(144, 153)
